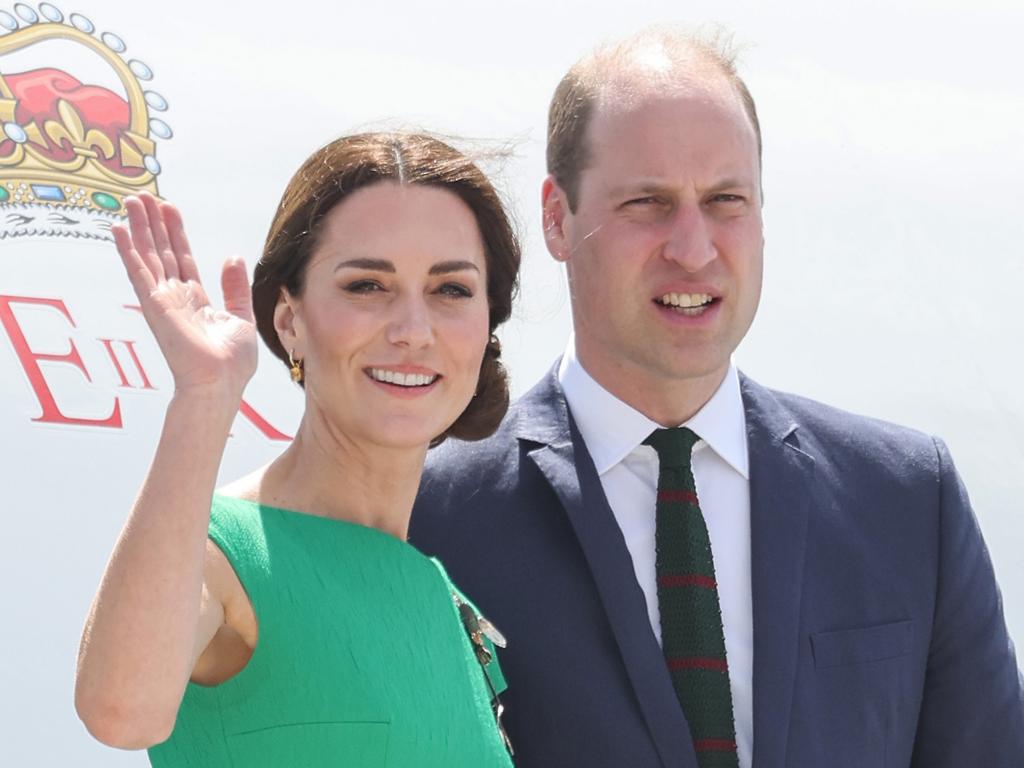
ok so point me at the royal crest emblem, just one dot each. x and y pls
(71, 150)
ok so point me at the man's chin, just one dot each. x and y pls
(684, 362)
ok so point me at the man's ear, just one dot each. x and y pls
(288, 324)
(555, 210)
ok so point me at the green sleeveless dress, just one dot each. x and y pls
(362, 659)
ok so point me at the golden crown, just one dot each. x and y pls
(71, 152)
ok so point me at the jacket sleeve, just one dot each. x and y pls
(972, 710)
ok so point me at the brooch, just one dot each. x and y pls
(477, 628)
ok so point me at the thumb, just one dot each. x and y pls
(234, 284)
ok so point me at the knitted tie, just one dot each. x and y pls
(691, 619)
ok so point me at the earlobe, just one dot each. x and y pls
(554, 208)
(285, 323)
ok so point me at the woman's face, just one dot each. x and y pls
(392, 322)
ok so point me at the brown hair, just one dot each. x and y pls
(334, 172)
(576, 96)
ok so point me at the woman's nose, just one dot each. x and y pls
(411, 325)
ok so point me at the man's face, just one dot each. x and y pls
(664, 249)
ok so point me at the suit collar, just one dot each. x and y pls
(771, 419)
(542, 414)
(612, 428)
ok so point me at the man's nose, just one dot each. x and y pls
(411, 325)
(690, 243)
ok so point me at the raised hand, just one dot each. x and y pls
(208, 350)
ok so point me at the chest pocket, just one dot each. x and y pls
(858, 646)
(312, 745)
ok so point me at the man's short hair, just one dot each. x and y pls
(577, 94)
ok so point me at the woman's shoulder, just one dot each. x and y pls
(246, 488)
(232, 517)
(242, 506)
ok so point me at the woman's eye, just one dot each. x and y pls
(456, 290)
(364, 286)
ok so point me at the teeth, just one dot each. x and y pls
(686, 299)
(402, 379)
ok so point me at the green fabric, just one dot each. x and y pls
(361, 661)
(691, 618)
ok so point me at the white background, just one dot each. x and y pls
(893, 165)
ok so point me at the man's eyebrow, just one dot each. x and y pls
(447, 267)
(650, 186)
(376, 265)
(640, 187)
(732, 182)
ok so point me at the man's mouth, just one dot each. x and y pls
(690, 304)
(402, 379)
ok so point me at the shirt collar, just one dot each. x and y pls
(612, 429)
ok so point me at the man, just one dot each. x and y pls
(830, 602)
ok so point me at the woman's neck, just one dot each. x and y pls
(325, 473)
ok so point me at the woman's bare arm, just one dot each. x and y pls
(156, 610)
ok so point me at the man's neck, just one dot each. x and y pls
(664, 400)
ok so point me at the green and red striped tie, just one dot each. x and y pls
(691, 618)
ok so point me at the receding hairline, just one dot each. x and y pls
(662, 60)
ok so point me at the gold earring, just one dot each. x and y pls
(296, 368)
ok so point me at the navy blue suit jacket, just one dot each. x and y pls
(879, 639)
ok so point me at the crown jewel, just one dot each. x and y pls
(70, 151)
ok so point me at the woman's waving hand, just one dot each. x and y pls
(205, 348)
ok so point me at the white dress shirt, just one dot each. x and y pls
(614, 433)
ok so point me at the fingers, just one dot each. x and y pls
(234, 283)
(142, 238)
(179, 246)
(139, 273)
(158, 234)
(155, 248)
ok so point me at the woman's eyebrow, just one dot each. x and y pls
(377, 265)
(383, 265)
(446, 267)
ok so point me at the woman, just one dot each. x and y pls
(287, 622)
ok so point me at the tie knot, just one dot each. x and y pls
(674, 446)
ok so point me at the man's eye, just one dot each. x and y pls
(649, 200)
(456, 290)
(364, 286)
(727, 198)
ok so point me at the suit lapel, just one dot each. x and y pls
(568, 468)
(781, 477)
